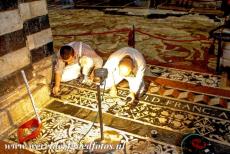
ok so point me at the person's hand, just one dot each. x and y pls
(130, 98)
(91, 76)
(56, 90)
(113, 91)
(87, 82)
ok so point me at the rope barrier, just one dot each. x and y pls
(137, 30)
(98, 33)
(166, 39)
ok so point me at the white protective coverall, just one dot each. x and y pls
(136, 82)
(73, 71)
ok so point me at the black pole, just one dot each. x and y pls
(218, 57)
(52, 84)
(133, 36)
(100, 110)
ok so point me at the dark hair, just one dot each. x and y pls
(66, 51)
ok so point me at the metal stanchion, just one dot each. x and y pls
(100, 110)
(102, 74)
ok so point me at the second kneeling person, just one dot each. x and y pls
(129, 64)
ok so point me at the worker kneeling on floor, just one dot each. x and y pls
(73, 60)
(126, 64)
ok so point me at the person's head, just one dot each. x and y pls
(67, 53)
(126, 66)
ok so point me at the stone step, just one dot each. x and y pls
(17, 105)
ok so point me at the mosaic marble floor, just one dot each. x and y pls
(170, 110)
(203, 79)
(69, 116)
(183, 44)
(62, 134)
(157, 110)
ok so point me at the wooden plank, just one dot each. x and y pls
(13, 80)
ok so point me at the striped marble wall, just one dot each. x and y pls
(25, 38)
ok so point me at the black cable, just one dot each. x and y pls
(94, 119)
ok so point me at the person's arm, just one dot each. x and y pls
(56, 88)
(57, 76)
(141, 66)
(134, 85)
(87, 65)
(113, 89)
(110, 81)
(57, 79)
(135, 82)
(139, 78)
(98, 63)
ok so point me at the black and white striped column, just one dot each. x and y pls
(25, 38)
(37, 28)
